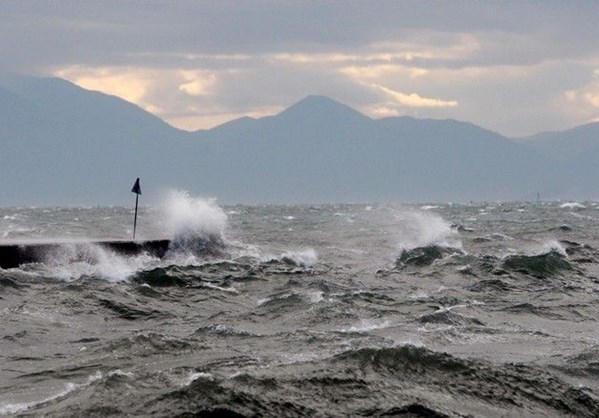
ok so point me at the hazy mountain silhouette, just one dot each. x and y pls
(74, 145)
(575, 155)
(62, 144)
(566, 145)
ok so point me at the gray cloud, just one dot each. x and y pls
(513, 66)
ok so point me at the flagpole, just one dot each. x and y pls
(135, 220)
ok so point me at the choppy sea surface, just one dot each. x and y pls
(482, 309)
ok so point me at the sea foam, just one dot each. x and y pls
(195, 227)
(421, 229)
(187, 215)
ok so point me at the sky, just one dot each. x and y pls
(516, 67)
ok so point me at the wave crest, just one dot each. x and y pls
(423, 229)
(197, 226)
(540, 266)
(424, 256)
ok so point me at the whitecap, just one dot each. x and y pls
(420, 229)
(572, 205)
(316, 297)
(302, 258)
(14, 408)
(365, 326)
(193, 376)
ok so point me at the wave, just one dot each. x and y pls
(561, 228)
(550, 259)
(580, 253)
(424, 256)
(221, 330)
(190, 248)
(146, 344)
(493, 285)
(447, 317)
(172, 276)
(493, 237)
(282, 300)
(493, 386)
(415, 410)
(198, 231)
(6, 283)
(406, 357)
(572, 205)
(585, 363)
(423, 238)
(188, 215)
(423, 229)
(365, 325)
(290, 262)
(559, 313)
(529, 308)
(70, 387)
(303, 258)
(73, 261)
(400, 380)
(128, 312)
(197, 227)
(218, 274)
(540, 266)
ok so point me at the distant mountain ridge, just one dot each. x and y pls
(62, 144)
(568, 144)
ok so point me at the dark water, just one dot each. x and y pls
(452, 310)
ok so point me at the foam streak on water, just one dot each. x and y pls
(415, 310)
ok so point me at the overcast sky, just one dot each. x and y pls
(517, 67)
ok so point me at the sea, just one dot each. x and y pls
(481, 309)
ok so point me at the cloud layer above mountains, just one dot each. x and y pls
(514, 67)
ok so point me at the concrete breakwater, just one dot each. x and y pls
(14, 255)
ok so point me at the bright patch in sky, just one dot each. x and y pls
(198, 83)
(413, 99)
(131, 84)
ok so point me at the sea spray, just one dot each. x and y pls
(551, 246)
(302, 258)
(197, 226)
(420, 229)
(72, 261)
(424, 237)
(186, 214)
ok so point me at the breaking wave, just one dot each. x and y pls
(303, 258)
(424, 256)
(550, 260)
(424, 237)
(197, 226)
(422, 229)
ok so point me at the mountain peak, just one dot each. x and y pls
(317, 100)
(316, 107)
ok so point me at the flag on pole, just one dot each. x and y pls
(136, 187)
(137, 190)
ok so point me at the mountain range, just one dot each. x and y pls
(64, 145)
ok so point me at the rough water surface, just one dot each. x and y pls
(336, 310)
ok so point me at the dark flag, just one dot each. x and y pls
(137, 190)
(136, 187)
